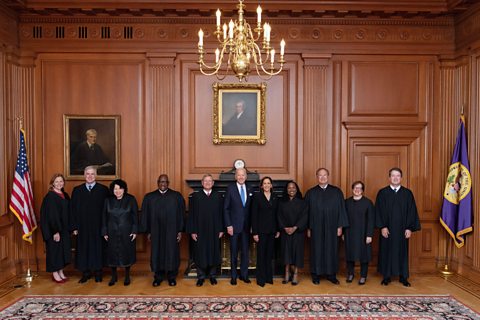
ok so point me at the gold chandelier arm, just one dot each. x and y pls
(245, 47)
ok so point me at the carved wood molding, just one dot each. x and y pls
(332, 8)
(316, 34)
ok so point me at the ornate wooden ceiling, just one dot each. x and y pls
(377, 9)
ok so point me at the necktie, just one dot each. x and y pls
(90, 188)
(242, 194)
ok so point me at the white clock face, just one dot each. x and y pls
(239, 163)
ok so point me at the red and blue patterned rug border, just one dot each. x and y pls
(295, 306)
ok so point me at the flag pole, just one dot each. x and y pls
(446, 269)
(28, 276)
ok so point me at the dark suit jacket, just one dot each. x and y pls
(234, 213)
(244, 125)
(264, 214)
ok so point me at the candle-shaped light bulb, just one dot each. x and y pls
(230, 29)
(259, 15)
(282, 47)
(272, 55)
(218, 13)
(225, 31)
(265, 26)
(200, 38)
(267, 31)
(217, 55)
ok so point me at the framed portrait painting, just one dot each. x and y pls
(92, 141)
(239, 113)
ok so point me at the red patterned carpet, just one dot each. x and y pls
(241, 307)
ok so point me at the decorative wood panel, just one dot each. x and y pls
(278, 157)
(162, 124)
(317, 119)
(398, 88)
(7, 255)
(3, 139)
(384, 88)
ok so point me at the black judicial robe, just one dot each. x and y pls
(55, 217)
(398, 212)
(87, 211)
(84, 156)
(326, 210)
(120, 219)
(293, 213)
(361, 221)
(205, 218)
(162, 218)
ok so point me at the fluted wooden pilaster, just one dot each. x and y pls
(317, 121)
(162, 124)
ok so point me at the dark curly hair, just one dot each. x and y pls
(122, 184)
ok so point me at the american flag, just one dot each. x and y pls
(21, 201)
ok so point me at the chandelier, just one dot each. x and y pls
(238, 50)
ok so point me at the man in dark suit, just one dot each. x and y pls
(241, 123)
(236, 214)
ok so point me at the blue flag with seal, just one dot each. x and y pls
(457, 198)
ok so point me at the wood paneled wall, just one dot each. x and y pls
(357, 99)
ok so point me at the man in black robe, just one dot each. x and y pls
(162, 220)
(90, 153)
(327, 217)
(397, 217)
(205, 224)
(87, 209)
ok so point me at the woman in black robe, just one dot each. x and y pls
(54, 223)
(358, 236)
(292, 221)
(119, 229)
(264, 229)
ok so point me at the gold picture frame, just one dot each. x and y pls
(239, 113)
(92, 140)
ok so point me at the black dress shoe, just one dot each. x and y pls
(112, 281)
(405, 283)
(126, 282)
(172, 282)
(98, 278)
(385, 281)
(246, 279)
(333, 280)
(316, 281)
(213, 281)
(362, 281)
(156, 282)
(261, 284)
(350, 278)
(233, 282)
(83, 279)
(269, 281)
(200, 282)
